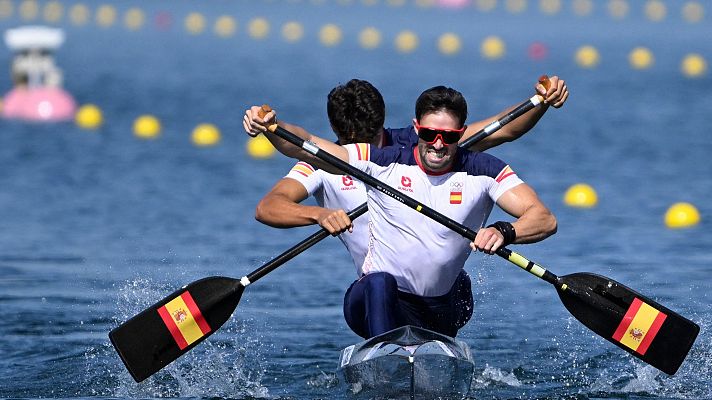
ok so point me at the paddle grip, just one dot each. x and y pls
(266, 108)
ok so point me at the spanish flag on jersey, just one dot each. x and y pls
(184, 320)
(639, 326)
(455, 197)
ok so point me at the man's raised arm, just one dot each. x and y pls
(254, 124)
(555, 96)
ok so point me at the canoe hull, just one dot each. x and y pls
(407, 363)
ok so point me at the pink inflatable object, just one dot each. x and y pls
(453, 3)
(38, 104)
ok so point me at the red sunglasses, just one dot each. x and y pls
(448, 136)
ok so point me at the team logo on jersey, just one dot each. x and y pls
(456, 193)
(406, 184)
(348, 183)
(506, 172)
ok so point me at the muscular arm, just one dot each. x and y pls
(534, 220)
(556, 96)
(280, 208)
(254, 125)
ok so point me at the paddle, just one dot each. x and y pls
(626, 318)
(170, 328)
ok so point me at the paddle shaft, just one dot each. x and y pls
(464, 231)
(296, 249)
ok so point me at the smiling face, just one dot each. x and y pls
(438, 156)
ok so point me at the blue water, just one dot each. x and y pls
(97, 226)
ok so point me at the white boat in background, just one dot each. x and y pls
(407, 363)
(37, 94)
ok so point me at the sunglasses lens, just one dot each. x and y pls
(450, 137)
(427, 134)
(430, 135)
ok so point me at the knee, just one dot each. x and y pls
(380, 281)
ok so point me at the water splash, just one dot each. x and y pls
(228, 364)
(495, 376)
(323, 380)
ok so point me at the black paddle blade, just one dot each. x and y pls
(168, 329)
(631, 321)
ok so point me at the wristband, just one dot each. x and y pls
(507, 230)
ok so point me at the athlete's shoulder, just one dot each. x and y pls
(395, 154)
(477, 163)
(400, 136)
(303, 169)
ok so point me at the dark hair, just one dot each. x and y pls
(356, 111)
(441, 98)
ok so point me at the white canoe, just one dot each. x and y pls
(407, 363)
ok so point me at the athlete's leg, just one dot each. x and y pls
(444, 314)
(371, 305)
(463, 304)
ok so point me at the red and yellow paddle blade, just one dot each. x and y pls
(170, 328)
(631, 321)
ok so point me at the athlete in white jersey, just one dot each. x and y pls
(430, 287)
(337, 192)
(357, 112)
(406, 243)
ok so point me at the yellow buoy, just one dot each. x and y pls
(292, 31)
(258, 28)
(492, 48)
(587, 57)
(205, 135)
(369, 38)
(581, 195)
(449, 44)
(330, 35)
(260, 147)
(406, 42)
(147, 127)
(640, 58)
(693, 66)
(88, 117)
(682, 215)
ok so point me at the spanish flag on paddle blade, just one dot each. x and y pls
(184, 320)
(639, 326)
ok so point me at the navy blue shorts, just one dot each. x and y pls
(374, 305)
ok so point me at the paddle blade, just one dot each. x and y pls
(170, 328)
(631, 321)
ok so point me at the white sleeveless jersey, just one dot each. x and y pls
(424, 256)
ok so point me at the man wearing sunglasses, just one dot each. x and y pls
(356, 112)
(413, 271)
